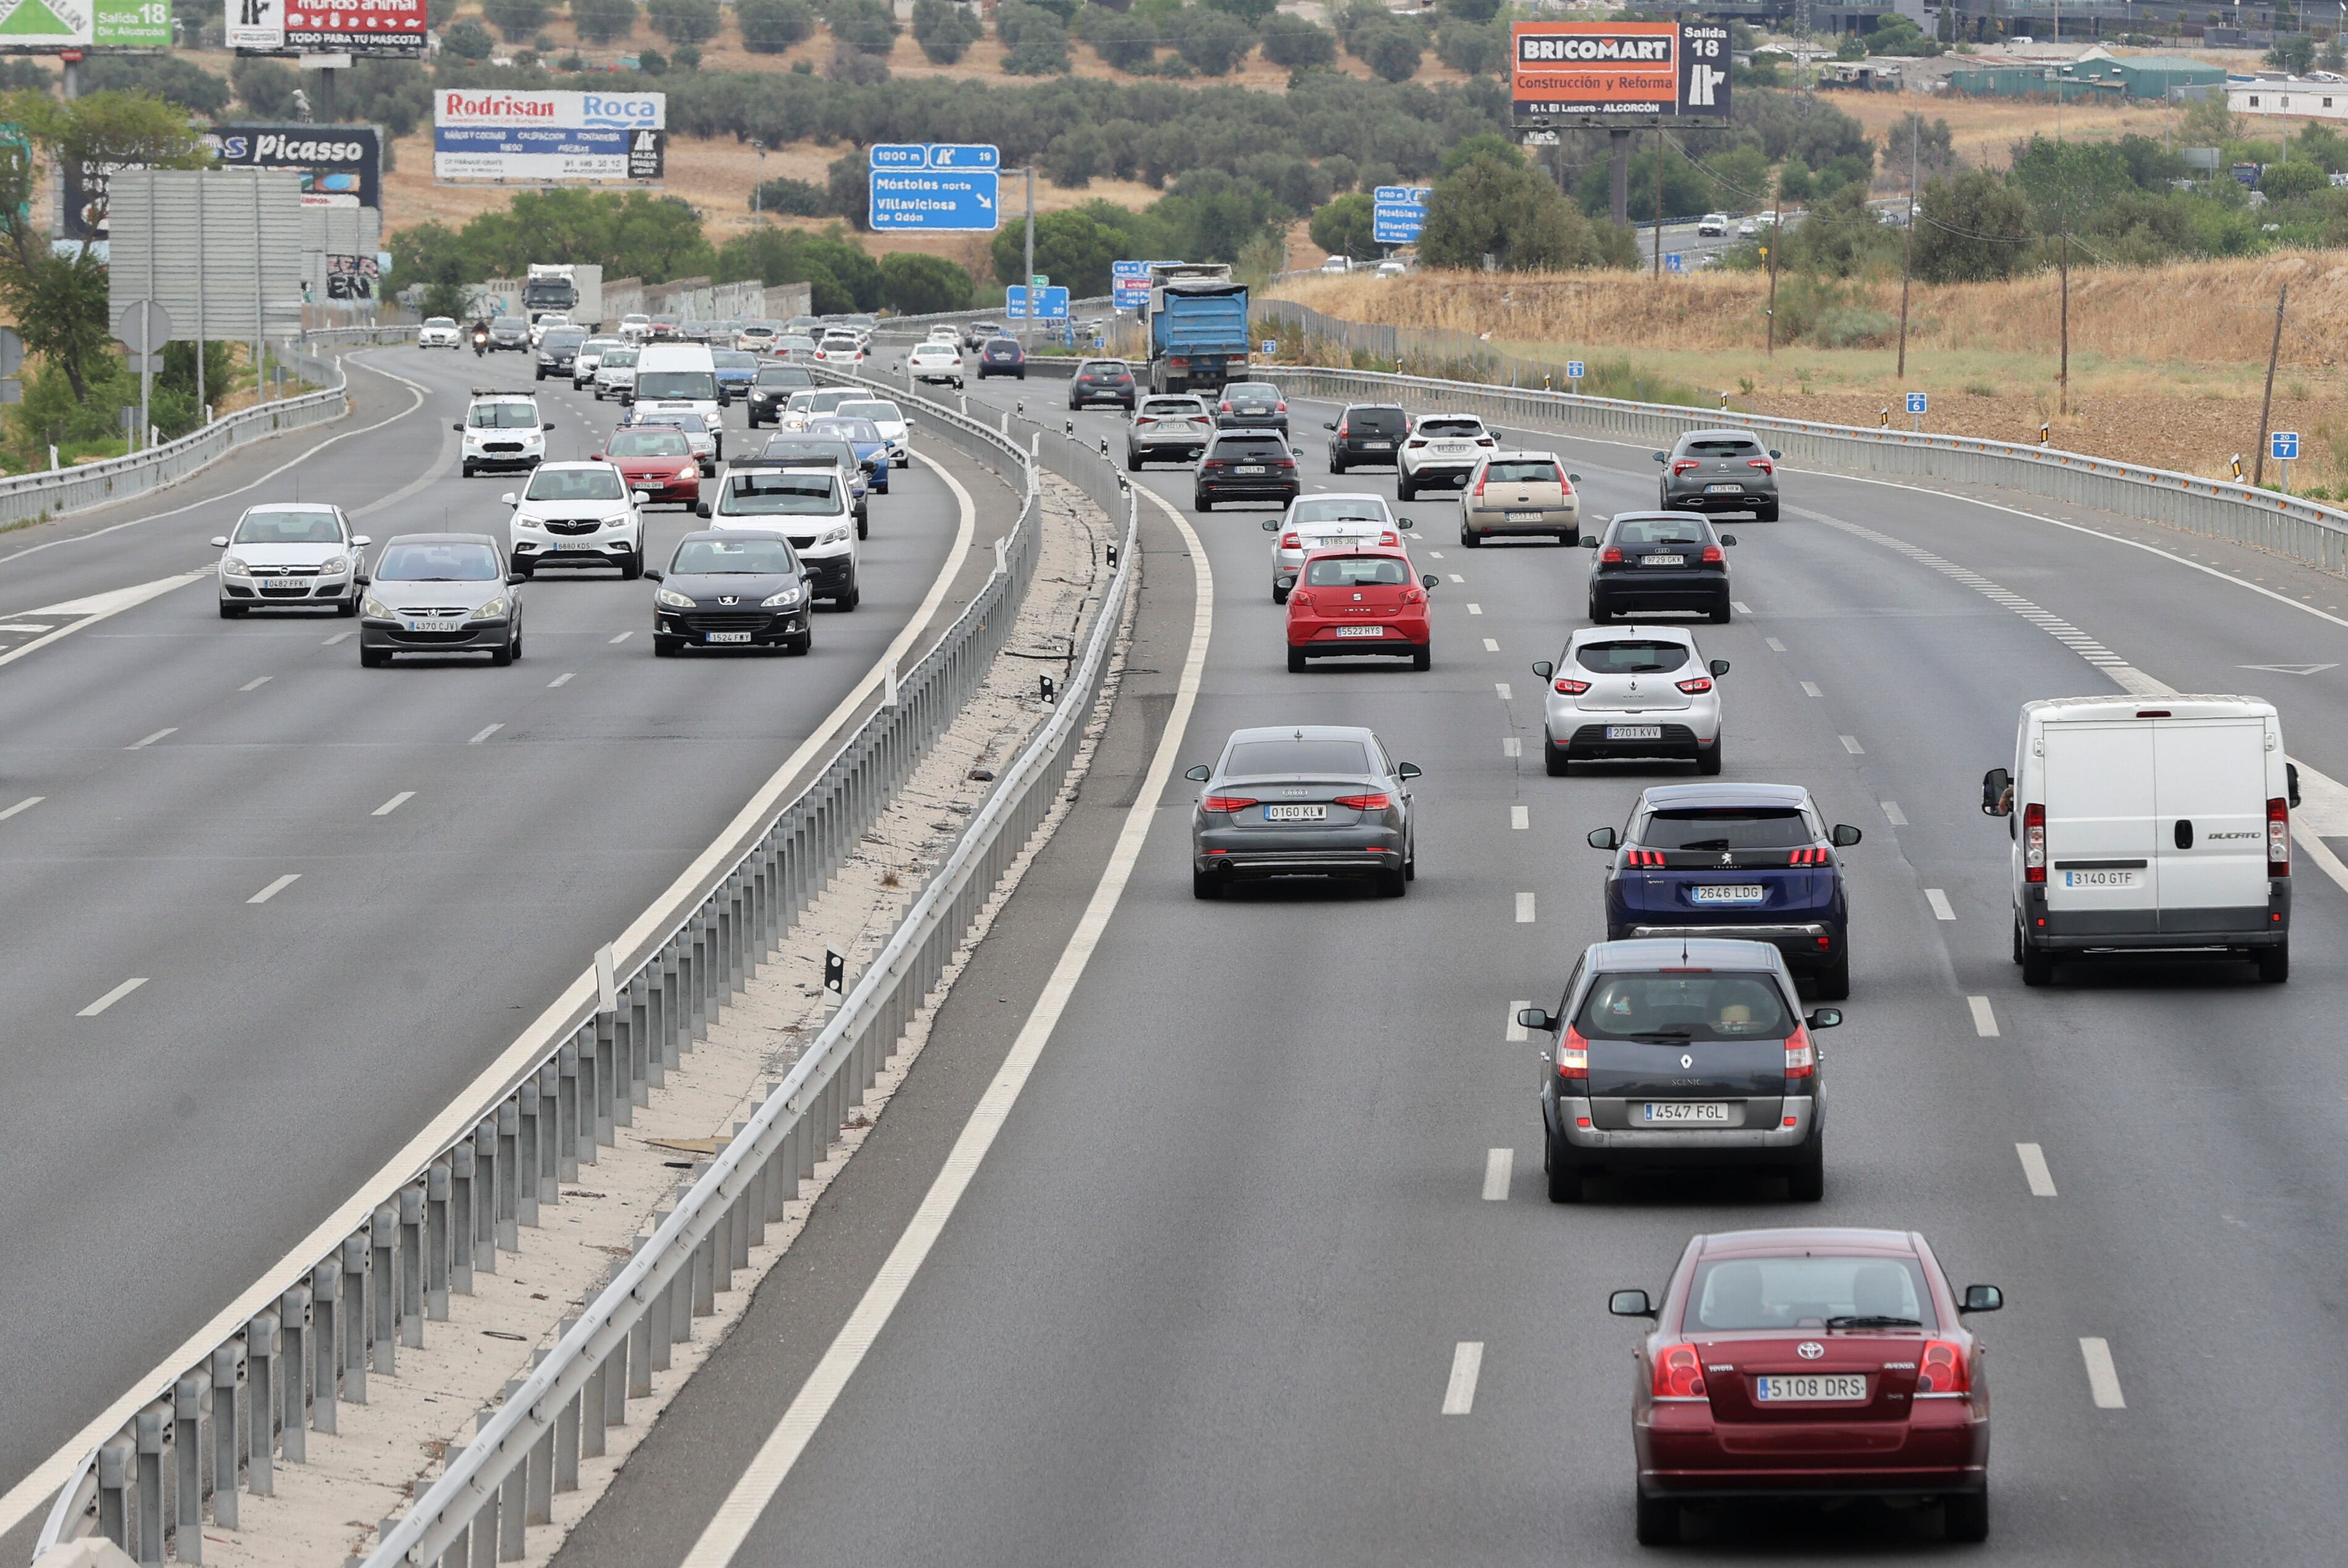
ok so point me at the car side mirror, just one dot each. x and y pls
(220, 542)
(1718, 666)
(642, 497)
(1981, 1298)
(652, 575)
(1328, 424)
(1590, 542)
(361, 578)
(2291, 782)
(1605, 839)
(1660, 456)
(1535, 1018)
(1774, 452)
(1629, 1304)
(1430, 580)
(361, 541)
(507, 499)
(1573, 479)
(1272, 525)
(1728, 541)
(1824, 1018)
(701, 508)
(1199, 775)
(1408, 770)
(1843, 835)
(515, 579)
(1543, 668)
(548, 426)
(1995, 783)
(458, 427)
(1406, 523)
(1296, 451)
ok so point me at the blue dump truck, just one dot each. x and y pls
(1198, 321)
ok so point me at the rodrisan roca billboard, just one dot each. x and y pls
(1620, 73)
(488, 133)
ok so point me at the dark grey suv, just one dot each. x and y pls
(1720, 470)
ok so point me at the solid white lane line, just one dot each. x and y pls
(624, 637)
(1499, 1165)
(1984, 1021)
(2102, 1377)
(485, 732)
(1524, 909)
(1775, 645)
(1850, 744)
(394, 804)
(1891, 811)
(254, 685)
(1939, 903)
(1474, 609)
(2035, 1170)
(1510, 746)
(142, 745)
(1491, 645)
(1501, 687)
(1810, 688)
(560, 678)
(89, 612)
(25, 626)
(273, 889)
(1459, 1392)
(731, 1522)
(27, 804)
(1519, 817)
(337, 637)
(1516, 1031)
(111, 997)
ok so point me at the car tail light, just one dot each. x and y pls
(1485, 441)
(1378, 802)
(1678, 1374)
(2278, 837)
(1226, 802)
(1299, 602)
(1699, 684)
(1574, 1056)
(1280, 408)
(1285, 463)
(1570, 687)
(1215, 463)
(1416, 442)
(1342, 430)
(1761, 463)
(1713, 555)
(1479, 485)
(1684, 465)
(2034, 843)
(1290, 542)
(1564, 485)
(1807, 858)
(1392, 537)
(1654, 857)
(1611, 555)
(1942, 1369)
(1227, 408)
(1413, 596)
(1801, 1057)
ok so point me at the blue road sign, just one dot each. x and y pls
(1272, 345)
(1673, 262)
(897, 155)
(1397, 214)
(1573, 370)
(1051, 304)
(964, 155)
(2283, 445)
(954, 200)
(1916, 402)
(1128, 284)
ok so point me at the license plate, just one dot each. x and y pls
(1523, 516)
(1634, 732)
(1451, 449)
(1688, 1110)
(1251, 468)
(727, 637)
(1296, 813)
(1727, 892)
(1815, 1388)
(1662, 561)
(1724, 489)
(434, 626)
(1378, 445)
(2100, 878)
(1361, 631)
(574, 544)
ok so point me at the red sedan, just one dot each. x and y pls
(1812, 1362)
(656, 459)
(1358, 598)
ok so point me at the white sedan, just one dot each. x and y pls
(938, 362)
(438, 332)
(1327, 522)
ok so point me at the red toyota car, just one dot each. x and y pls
(656, 459)
(1810, 1363)
(1358, 600)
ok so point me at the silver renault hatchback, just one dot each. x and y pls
(1624, 693)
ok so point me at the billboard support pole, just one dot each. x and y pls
(260, 320)
(148, 347)
(1659, 200)
(1027, 321)
(70, 87)
(1621, 154)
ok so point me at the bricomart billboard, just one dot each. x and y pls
(1620, 73)
(488, 133)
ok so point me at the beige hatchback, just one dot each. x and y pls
(1515, 493)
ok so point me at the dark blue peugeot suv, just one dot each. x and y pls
(1753, 861)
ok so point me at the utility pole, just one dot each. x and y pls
(1777, 229)
(2266, 404)
(1618, 151)
(1027, 318)
(1659, 199)
(1907, 248)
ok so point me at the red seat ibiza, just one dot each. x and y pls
(1810, 1363)
(1358, 598)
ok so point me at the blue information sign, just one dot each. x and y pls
(1051, 304)
(2283, 445)
(1673, 262)
(1128, 284)
(887, 155)
(953, 200)
(1398, 213)
(1272, 345)
(1917, 402)
(1573, 370)
(964, 155)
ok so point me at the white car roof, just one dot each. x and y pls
(1586, 635)
(2075, 709)
(571, 463)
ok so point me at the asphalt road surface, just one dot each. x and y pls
(1204, 1300)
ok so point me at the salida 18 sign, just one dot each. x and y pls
(393, 28)
(1620, 73)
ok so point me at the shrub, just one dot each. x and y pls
(1213, 42)
(849, 64)
(1392, 52)
(165, 77)
(770, 26)
(912, 283)
(516, 18)
(652, 63)
(1297, 44)
(683, 21)
(1037, 38)
(792, 198)
(601, 21)
(685, 57)
(1478, 51)
(267, 87)
(866, 24)
(946, 31)
(1123, 41)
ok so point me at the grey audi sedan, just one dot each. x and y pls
(441, 593)
(1720, 470)
(1303, 800)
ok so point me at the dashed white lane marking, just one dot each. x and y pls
(1499, 1165)
(23, 626)
(1524, 909)
(337, 637)
(1850, 744)
(1891, 811)
(273, 889)
(624, 637)
(111, 997)
(1984, 1021)
(1435, 555)
(486, 730)
(1510, 746)
(1516, 1031)
(2102, 1377)
(394, 804)
(1740, 606)
(1810, 688)
(142, 745)
(27, 804)
(1519, 817)
(255, 684)
(1456, 578)
(560, 678)
(1474, 609)
(1939, 903)
(2035, 1172)
(1502, 687)
(1491, 645)
(1459, 1392)
(1775, 645)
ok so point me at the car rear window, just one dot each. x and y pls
(1354, 509)
(1727, 827)
(1645, 1005)
(1721, 448)
(1662, 531)
(1168, 407)
(1356, 572)
(1439, 426)
(1251, 392)
(1375, 422)
(1631, 657)
(1811, 1292)
(1523, 473)
(1251, 448)
(667, 443)
(1343, 756)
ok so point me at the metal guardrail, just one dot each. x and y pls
(2267, 519)
(246, 1405)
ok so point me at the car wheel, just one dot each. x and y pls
(1423, 660)
(2274, 963)
(524, 570)
(1554, 758)
(505, 655)
(1708, 762)
(1659, 1521)
(233, 611)
(1806, 1179)
(631, 567)
(864, 526)
(1279, 595)
(1721, 613)
(1599, 615)
(1564, 1180)
(1769, 514)
(1134, 461)
(346, 608)
(1402, 491)
(374, 658)
(469, 470)
(1392, 884)
(2037, 965)
(1965, 1516)
(1834, 980)
(1201, 503)
(1469, 538)
(1296, 661)
(801, 646)
(1204, 886)
(667, 647)
(1570, 538)
(1336, 464)
(850, 600)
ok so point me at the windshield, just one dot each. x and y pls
(806, 452)
(1248, 450)
(1356, 572)
(863, 430)
(1727, 827)
(1384, 421)
(879, 410)
(733, 359)
(747, 555)
(1660, 531)
(618, 358)
(1163, 408)
(788, 492)
(692, 424)
(503, 416)
(320, 527)
(1251, 391)
(1646, 1005)
(1340, 509)
(688, 385)
(574, 484)
(441, 321)
(1348, 757)
(1813, 1292)
(1523, 473)
(407, 562)
(817, 402)
(668, 443)
(559, 341)
(1631, 658)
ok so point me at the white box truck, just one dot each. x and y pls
(2145, 824)
(564, 289)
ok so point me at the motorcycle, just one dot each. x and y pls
(480, 341)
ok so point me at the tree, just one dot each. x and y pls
(167, 77)
(467, 40)
(851, 64)
(867, 26)
(1972, 226)
(2207, 122)
(1213, 41)
(1392, 52)
(946, 31)
(2288, 181)
(849, 183)
(1494, 203)
(516, 18)
(1035, 37)
(1297, 44)
(601, 21)
(2292, 52)
(791, 197)
(1478, 50)
(770, 26)
(1124, 42)
(1343, 227)
(683, 21)
(916, 285)
(1074, 246)
(843, 278)
(1251, 12)
(1478, 12)
(267, 87)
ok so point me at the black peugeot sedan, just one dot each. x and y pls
(731, 589)
(1101, 381)
(1244, 465)
(1303, 800)
(1001, 356)
(1659, 560)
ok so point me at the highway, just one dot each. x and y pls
(268, 912)
(1207, 1298)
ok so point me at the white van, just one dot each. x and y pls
(679, 379)
(2148, 823)
(811, 507)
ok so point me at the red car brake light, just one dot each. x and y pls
(1574, 1056)
(1699, 684)
(1761, 463)
(1281, 408)
(1342, 430)
(1416, 441)
(1813, 857)
(1678, 1374)
(1378, 802)
(1227, 408)
(1684, 465)
(1713, 555)
(2278, 837)
(2034, 843)
(1568, 687)
(1643, 858)
(1564, 485)
(1942, 1370)
(1611, 555)
(1390, 538)
(1226, 802)
(1290, 542)
(1801, 1057)
(1479, 484)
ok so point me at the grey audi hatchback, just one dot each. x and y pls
(1303, 800)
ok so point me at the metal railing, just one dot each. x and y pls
(307, 1336)
(2267, 519)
